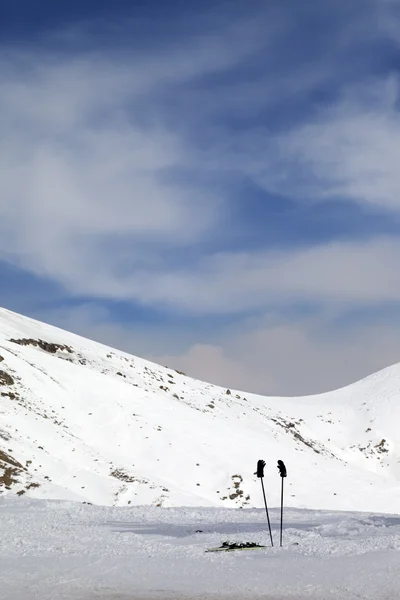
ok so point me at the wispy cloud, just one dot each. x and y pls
(94, 181)
(349, 151)
(342, 273)
(268, 354)
(291, 358)
(126, 170)
(89, 179)
(77, 171)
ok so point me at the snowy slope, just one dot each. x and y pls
(81, 421)
(51, 550)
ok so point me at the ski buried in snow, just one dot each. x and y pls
(231, 547)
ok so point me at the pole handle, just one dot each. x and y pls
(282, 468)
(260, 468)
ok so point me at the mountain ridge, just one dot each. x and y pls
(82, 421)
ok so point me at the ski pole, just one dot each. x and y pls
(260, 474)
(283, 474)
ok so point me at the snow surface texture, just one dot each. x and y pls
(80, 421)
(157, 454)
(52, 550)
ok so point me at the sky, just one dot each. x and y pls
(211, 185)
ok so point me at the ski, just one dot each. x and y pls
(233, 547)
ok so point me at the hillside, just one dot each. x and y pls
(82, 421)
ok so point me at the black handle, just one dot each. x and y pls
(282, 468)
(260, 468)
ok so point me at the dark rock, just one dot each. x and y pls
(46, 346)
(6, 379)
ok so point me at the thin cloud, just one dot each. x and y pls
(351, 150)
(295, 358)
(337, 273)
(74, 176)
(340, 274)
(86, 186)
(88, 203)
(263, 354)
(118, 168)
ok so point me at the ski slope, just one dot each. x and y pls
(83, 422)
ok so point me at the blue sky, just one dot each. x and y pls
(211, 185)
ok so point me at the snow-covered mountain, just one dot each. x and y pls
(82, 421)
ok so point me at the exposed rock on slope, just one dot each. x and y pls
(82, 421)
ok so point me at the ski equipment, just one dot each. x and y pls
(283, 474)
(260, 474)
(231, 546)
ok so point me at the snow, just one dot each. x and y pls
(56, 550)
(90, 423)
(159, 455)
